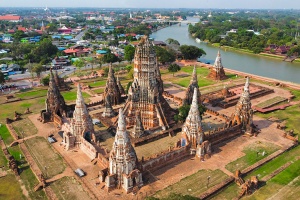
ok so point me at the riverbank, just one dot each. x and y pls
(282, 83)
(225, 48)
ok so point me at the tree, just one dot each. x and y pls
(172, 41)
(190, 52)
(110, 58)
(164, 55)
(43, 52)
(38, 68)
(79, 63)
(174, 68)
(184, 111)
(2, 78)
(128, 68)
(45, 81)
(129, 53)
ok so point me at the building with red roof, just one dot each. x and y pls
(11, 18)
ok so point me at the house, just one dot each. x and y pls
(282, 49)
(271, 47)
(159, 43)
(10, 18)
(64, 30)
(58, 62)
(77, 50)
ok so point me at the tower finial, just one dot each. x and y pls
(121, 121)
(246, 87)
(195, 99)
(194, 78)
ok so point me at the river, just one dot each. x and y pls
(244, 62)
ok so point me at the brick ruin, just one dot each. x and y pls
(112, 89)
(56, 107)
(187, 100)
(243, 113)
(145, 93)
(217, 71)
(79, 130)
(229, 96)
(123, 169)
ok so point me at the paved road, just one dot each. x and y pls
(80, 35)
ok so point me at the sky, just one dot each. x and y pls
(227, 4)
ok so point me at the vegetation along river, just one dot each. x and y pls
(244, 62)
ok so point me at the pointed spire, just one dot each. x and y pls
(138, 129)
(246, 87)
(192, 125)
(121, 121)
(79, 99)
(194, 78)
(218, 62)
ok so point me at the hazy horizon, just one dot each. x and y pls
(216, 4)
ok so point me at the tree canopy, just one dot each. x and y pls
(38, 68)
(172, 41)
(110, 58)
(190, 52)
(174, 68)
(2, 78)
(164, 55)
(79, 63)
(184, 111)
(129, 53)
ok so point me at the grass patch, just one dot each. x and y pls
(32, 94)
(72, 95)
(10, 188)
(27, 176)
(24, 127)
(251, 155)
(3, 160)
(68, 188)
(49, 162)
(274, 184)
(271, 102)
(97, 83)
(5, 134)
(98, 91)
(291, 115)
(7, 110)
(195, 184)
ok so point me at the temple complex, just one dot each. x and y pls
(55, 104)
(243, 112)
(112, 88)
(79, 131)
(145, 93)
(217, 71)
(123, 172)
(187, 100)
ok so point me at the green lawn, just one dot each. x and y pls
(271, 102)
(98, 91)
(49, 162)
(251, 155)
(195, 184)
(97, 83)
(72, 95)
(5, 134)
(278, 182)
(32, 93)
(24, 127)
(272, 185)
(7, 110)
(3, 160)
(10, 188)
(291, 115)
(27, 176)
